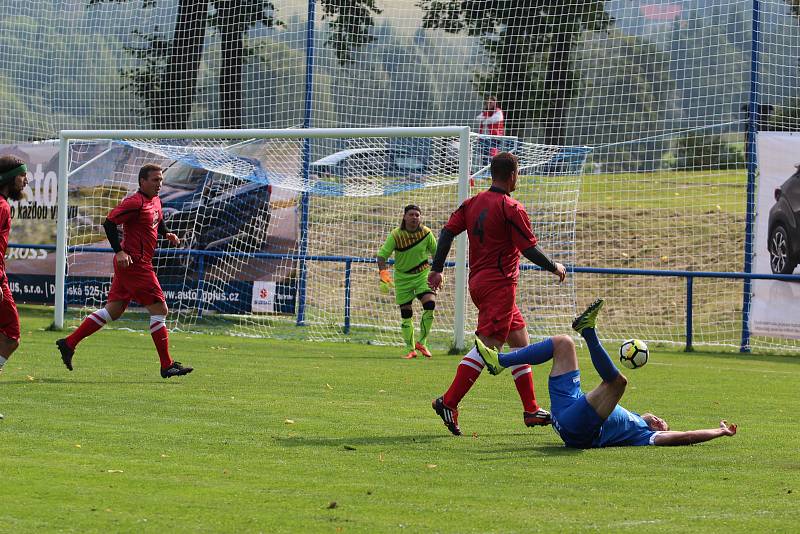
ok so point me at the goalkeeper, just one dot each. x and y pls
(412, 244)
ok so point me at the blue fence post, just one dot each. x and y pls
(201, 271)
(305, 200)
(689, 297)
(752, 165)
(348, 269)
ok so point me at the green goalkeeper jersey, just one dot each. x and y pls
(412, 250)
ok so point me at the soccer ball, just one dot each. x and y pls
(633, 353)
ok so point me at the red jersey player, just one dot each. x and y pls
(13, 180)
(491, 120)
(142, 221)
(499, 230)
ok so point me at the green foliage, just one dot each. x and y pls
(784, 118)
(626, 93)
(528, 53)
(165, 76)
(144, 79)
(313, 437)
(350, 23)
(16, 116)
(707, 152)
(39, 94)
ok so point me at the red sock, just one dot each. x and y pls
(523, 379)
(91, 324)
(467, 373)
(160, 335)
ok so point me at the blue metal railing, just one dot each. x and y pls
(348, 262)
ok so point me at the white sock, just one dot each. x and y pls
(156, 322)
(2, 361)
(102, 312)
(473, 359)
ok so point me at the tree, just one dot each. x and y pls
(350, 23)
(626, 99)
(707, 152)
(232, 20)
(166, 79)
(528, 47)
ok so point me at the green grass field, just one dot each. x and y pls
(270, 436)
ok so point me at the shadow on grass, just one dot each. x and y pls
(394, 356)
(789, 359)
(353, 443)
(37, 380)
(539, 450)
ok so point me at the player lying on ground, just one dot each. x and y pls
(412, 244)
(595, 419)
(142, 221)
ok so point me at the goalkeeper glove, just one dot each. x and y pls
(386, 281)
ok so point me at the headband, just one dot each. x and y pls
(11, 173)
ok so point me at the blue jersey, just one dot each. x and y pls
(623, 428)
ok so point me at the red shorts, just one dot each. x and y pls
(135, 283)
(497, 310)
(9, 317)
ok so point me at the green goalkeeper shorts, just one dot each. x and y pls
(407, 287)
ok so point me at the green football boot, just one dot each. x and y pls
(490, 358)
(588, 319)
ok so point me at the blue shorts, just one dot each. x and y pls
(574, 420)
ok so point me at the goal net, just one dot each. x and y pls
(665, 91)
(280, 229)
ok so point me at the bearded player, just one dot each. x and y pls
(142, 221)
(13, 180)
(412, 244)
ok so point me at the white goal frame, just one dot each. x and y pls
(66, 136)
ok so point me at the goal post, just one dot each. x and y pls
(268, 238)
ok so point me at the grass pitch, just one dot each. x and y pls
(271, 436)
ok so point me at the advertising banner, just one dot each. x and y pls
(775, 305)
(255, 286)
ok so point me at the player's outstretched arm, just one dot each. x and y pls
(691, 437)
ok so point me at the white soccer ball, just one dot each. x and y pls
(633, 353)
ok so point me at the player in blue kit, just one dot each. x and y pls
(594, 419)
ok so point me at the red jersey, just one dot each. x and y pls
(5, 229)
(139, 217)
(492, 122)
(498, 228)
